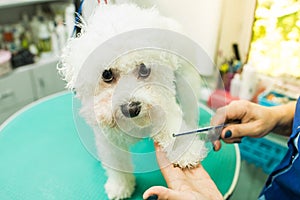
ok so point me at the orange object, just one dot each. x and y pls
(8, 37)
(104, 1)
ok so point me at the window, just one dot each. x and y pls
(275, 45)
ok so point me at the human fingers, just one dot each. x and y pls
(163, 193)
(217, 145)
(161, 157)
(236, 110)
(219, 117)
(233, 132)
(166, 167)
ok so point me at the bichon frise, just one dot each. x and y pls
(139, 94)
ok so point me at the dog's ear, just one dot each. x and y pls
(188, 87)
(144, 3)
(89, 6)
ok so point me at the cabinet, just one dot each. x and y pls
(27, 84)
(46, 80)
(15, 3)
(15, 91)
(31, 82)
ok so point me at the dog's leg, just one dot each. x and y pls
(188, 151)
(117, 163)
(119, 185)
(184, 152)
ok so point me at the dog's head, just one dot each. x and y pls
(137, 92)
(137, 89)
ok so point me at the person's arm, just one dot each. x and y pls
(255, 120)
(193, 184)
(285, 115)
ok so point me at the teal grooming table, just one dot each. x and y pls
(42, 158)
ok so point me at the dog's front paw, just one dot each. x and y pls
(187, 161)
(120, 187)
(191, 157)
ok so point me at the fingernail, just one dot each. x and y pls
(228, 134)
(152, 197)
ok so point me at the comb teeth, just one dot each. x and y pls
(199, 130)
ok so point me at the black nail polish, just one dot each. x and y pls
(228, 134)
(152, 197)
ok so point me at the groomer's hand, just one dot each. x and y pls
(193, 184)
(255, 120)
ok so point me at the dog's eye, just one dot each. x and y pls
(107, 76)
(144, 71)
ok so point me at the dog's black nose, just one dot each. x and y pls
(131, 109)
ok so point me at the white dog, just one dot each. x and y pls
(139, 94)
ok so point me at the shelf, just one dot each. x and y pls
(39, 63)
(14, 3)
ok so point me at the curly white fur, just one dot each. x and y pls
(157, 94)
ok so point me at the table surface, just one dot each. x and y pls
(42, 157)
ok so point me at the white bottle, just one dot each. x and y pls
(248, 83)
(54, 39)
(61, 32)
(34, 24)
(235, 85)
(44, 42)
(70, 19)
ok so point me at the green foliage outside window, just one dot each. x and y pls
(275, 45)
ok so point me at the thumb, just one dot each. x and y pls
(162, 193)
(239, 131)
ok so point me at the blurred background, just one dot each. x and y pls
(255, 45)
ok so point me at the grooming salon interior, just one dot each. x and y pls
(255, 48)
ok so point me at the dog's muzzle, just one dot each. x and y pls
(131, 109)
